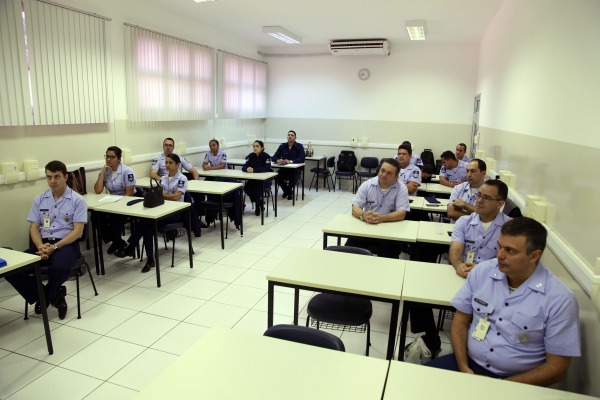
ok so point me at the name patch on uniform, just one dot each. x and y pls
(181, 183)
(44, 210)
(483, 303)
(415, 174)
(130, 177)
(154, 161)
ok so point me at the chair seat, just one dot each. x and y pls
(344, 173)
(215, 205)
(338, 309)
(301, 334)
(170, 227)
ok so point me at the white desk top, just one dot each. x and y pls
(346, 224)
(434, 232)
(228, 364)
(16, 259)
(238, 174)
(412, 381)
(438, 188)
(93, 200)
(430, 283)
(207, 187)
(419, 203)
(138, 209)
(241, 161)
(350, 273)
(316, 158)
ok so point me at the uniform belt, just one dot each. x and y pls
(51, 240)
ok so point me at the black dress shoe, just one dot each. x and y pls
(115, 246)
(128, 251)
(149, 265)
(61, 303)
(38, 307)
(290, 197)
(203, 225)
(257, 210)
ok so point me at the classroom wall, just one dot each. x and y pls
(538, 79)
(85, 144)
(422, 92)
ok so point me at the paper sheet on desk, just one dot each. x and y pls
(110, 199)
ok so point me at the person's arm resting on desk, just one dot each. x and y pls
(459, 208)
(456, 259)
(553, 370)
(173, 197)
(444, 181)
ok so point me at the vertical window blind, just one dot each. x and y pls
(243, 87)
(168, 79)
(65, 52)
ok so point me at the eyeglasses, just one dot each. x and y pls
(486, 198)
(109, 157)
(167, 145)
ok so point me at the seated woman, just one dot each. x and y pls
(174, 186)
(215, 158)
(257, 161)
(118, 179)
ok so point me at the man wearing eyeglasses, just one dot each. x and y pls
(475, 237)
(464, 196)
(158, 164)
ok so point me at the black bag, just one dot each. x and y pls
(427, 157)
(154, 195)
(346, 161)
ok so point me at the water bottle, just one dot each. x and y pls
(309, 150)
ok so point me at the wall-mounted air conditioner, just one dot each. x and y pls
(360, 47)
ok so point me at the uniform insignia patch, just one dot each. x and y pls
(130, 177)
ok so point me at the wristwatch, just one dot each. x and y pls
(54, 246)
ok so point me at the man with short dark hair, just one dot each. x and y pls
(461, 152)
(158, 170)
(290, 152)
(381, 199)
(410, 174)
(515, 320)
(463, 196)
(414, 158)
(57, 219)
(453, 172)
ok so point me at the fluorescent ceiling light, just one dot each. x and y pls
(203, 1)
(416, 29)
(279, 33)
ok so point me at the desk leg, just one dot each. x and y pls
(296, 305)
(42, 298)
(276, 196)
(221, 214)
(325, 236)
(242, 211)
(262, 199)
(270, 304)
(189, 235)
(392, 334)
(156, 253)
(100, 250)
(95, 223)
(403, 327)
(303, 182)
(318, 166)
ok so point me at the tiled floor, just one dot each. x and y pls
(133, 330)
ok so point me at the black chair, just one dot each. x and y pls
(340, 312)
(268, 194)
(511, 209)
(304, 335)
(77, 270)
(368, 163)
(345, 175)
(213, 203)
(324, 173)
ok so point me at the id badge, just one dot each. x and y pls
(481, 329)
(470, 256)
(46, 222)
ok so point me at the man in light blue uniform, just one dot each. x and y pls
(515, 320)
(57, 219)
(475, 236)
(453, 172)
(460, 153)
(414, 158)
(158, 164)
(381, 199)
(463, 196)
(409, 174)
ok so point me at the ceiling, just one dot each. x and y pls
(319, 21)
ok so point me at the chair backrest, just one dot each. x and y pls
(76, 180)
(346, 161)
(427, 157)
(305, 335)
(369, 162)
(330, 162)
(511, 209)
(349, 249)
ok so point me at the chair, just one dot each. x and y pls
(511, 209)
(268, 194)
(213, 203)
(76, 271)
(340, 312)
(345, 175)
(325, 173)
(304, 335)
(369, 163)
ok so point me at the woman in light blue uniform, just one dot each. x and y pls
(215, 158)
(174, 186)
(118, 179)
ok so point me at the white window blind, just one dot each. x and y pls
(243, 87)
(168, 79)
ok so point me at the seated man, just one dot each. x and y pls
(410, 174)
(464, 196)
(515, 320)
(290, 152)
(414, 158)
(158, 169)
(381, 199)
(475, 237)
(453, 172)
(460, 153)
(57, 219)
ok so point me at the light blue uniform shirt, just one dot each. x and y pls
(69, 208)
(457, 174)
(370, 197)
(411, 173)
(124, 178)
(159, 164)
(469, 231)
(463, 192)
(466, 159)
(177, 182)
(540, 316)
(215, 161)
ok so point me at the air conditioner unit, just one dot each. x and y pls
(360, 47)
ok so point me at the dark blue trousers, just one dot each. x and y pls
(144, 228)
(449, 362)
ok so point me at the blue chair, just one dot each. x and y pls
(304, 335)
(368, 163)
(325, 173)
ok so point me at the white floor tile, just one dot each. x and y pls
(222, 273)
(102, 319)
(143, 329)
(217, 314)
(258, 249)
(200, 288)
(111, 391)
(18, 371)
(241, 296)
(256, 322)
(180, 338)
(135, 298)
(174, 306)
(244, 260)
(72, 386)
(19, 332)
(143, 369)
(253, 278)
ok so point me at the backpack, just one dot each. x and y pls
(427, 157)
(346, 161)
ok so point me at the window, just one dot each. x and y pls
(168, 79)
(243, 89)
